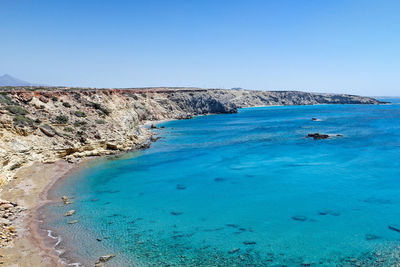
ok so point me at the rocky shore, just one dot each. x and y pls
(39, 126)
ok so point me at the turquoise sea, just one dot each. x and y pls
(245, 189)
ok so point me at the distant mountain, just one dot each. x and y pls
(8, 80)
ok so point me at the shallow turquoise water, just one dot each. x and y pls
(223, 190)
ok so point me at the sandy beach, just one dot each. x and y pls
(29, 190)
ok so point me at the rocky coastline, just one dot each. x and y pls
(43, 126)
(46, 124)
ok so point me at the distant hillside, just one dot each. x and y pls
(8, 80)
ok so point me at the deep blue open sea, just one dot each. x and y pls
(245, 189)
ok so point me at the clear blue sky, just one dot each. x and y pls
(325, 46)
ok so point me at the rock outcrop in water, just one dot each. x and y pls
(40, 124)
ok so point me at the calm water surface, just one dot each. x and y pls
(245, 189)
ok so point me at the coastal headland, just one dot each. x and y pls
(47, 131)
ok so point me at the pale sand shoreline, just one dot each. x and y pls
(29, 189)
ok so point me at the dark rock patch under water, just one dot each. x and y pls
(370, 237)
(180, 187)
(176, 213)
(234, 250)
(394, 227)
(300, 218)
(328, 212)
(373, 200)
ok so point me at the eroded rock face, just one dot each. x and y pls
(25, 97)
(9, 211)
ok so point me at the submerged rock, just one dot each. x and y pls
(394, 227)
(249, 242)
(180, 187)
(153, 126)
(374, 200)
(176, 213)
(70, 213)
(234, 250)
(73, 222)
(300, 218)
(104, 259)
(329, 212)
(218, 179)
(66, 200)
(324, 212)
(371, 237)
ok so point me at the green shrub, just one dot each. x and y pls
(101, 108)
(5, 99)
(66, 104)
(79, 114)
(105, 111)
(17, 110)
(62, 119)
(68, 129)
(22, 120)
(55, 99)
(100, 121)
(79, 123)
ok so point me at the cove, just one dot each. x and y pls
(245, 189)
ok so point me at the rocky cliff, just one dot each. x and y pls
(44, 124)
